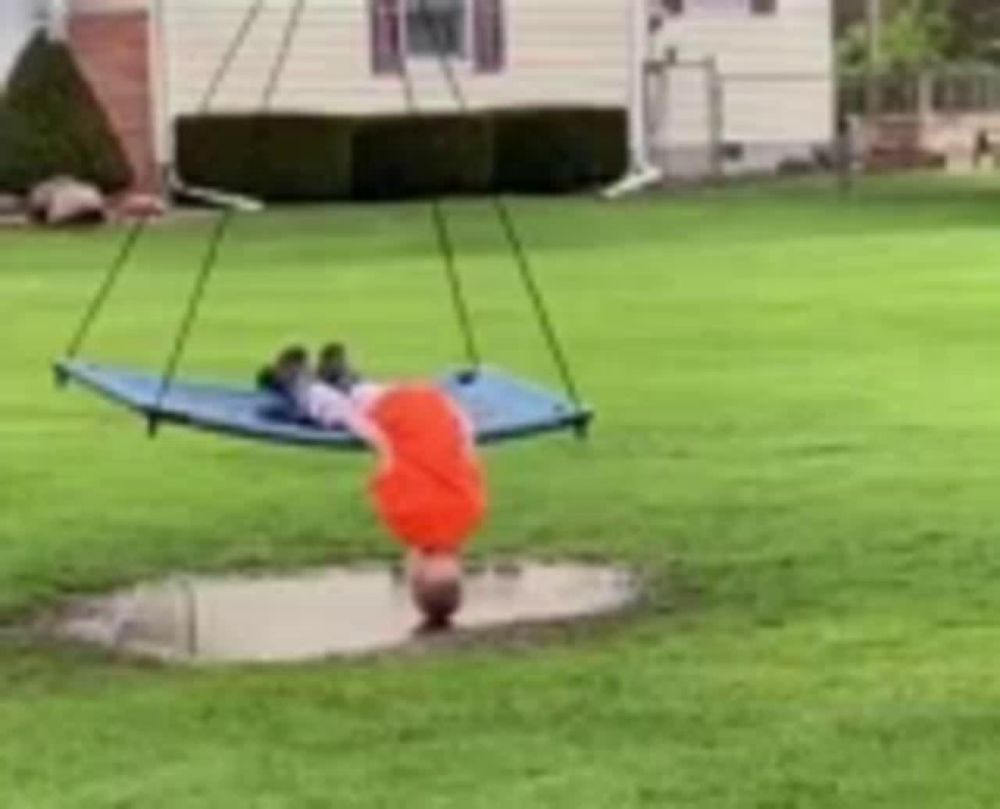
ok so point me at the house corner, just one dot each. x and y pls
(111, 42)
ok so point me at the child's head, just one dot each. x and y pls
(436, 587)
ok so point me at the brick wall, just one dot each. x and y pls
(112, 49)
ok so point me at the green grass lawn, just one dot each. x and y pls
(798, 443)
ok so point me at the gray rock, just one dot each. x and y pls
(66, 201)
(11, 205)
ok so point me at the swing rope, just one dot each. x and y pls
(208, 263)
(508, 225)
(110, 280)
(223, 225)
(224, 222)
(446, 248)
(135, 233)
(235, 46)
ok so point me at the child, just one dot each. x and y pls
(428, 488)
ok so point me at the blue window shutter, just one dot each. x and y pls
(386, 37)
(489, 36)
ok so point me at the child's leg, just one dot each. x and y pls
(366, 394)
(323, 404)
(329, 408)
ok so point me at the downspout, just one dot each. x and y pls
(641, 172)
(56, 19)
(160, 92)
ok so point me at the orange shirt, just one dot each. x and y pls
(430, 490)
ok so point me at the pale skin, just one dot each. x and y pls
(435, 582)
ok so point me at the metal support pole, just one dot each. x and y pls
(716, 116)
(874, 9)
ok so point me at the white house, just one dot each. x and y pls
(348, 55)
(749, 83)
(18, 19)
(151, 61)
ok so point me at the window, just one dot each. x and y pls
(475, 30)
(435, 28)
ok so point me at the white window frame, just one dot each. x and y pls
(691, 8)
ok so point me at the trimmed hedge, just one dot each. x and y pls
(51, 123)
(276, 157)
(401, 156)
(16, 172)
(397, 157)
(552, 151)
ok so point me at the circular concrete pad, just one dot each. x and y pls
(324, 613)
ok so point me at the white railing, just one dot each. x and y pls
(946, 90)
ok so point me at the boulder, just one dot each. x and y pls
(66, 201)
(11, 205)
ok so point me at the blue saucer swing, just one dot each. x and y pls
(501, 406)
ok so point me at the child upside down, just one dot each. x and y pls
(428, 487)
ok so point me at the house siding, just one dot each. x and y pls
(16, 25)
(560, 52)
(777, 86)
(777, 80)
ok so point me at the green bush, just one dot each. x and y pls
(398, 156)
(51, 123)
(558, 150)
(275, 157)
(16, 172)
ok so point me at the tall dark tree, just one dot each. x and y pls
(974, 25)
(976, 30)
(848, 13)
(51, 123)
(913, 34)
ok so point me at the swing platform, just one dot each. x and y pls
(502, 407)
